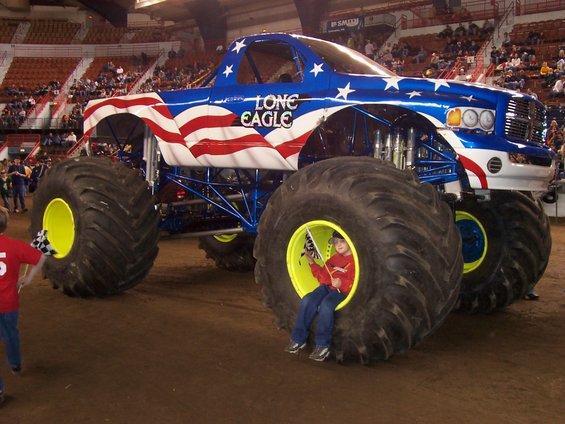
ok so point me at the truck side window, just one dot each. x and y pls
(267, 62)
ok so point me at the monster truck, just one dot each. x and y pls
(430, 182)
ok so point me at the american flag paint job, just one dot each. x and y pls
(204, 127)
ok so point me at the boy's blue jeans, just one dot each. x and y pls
(321, 301)
(11, 337)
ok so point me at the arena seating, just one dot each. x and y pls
(32, 74)
(51, 32)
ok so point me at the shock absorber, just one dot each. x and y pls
(398, 158)
(388, 147)
(411, 148)
(378, 144)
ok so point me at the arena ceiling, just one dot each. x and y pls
(211, 16)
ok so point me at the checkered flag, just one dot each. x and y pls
(41, 243)
(310, 246)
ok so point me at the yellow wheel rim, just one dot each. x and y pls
(475, 241)
(298, 267)
(225, 238)
(59, 222)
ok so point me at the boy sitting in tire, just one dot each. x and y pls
(336, 279)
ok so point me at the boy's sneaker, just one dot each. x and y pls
(531, 296)
(294, 347)
(320, 353)
(1, 397)
(17, 370)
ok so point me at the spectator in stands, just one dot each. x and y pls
(557, 89)
(387, 58)
(532, 38)
(369, 49)
(65, 121)
(515, 63)
(17, 173)
(21, 116)
(551, 135)
(460, 31)
(397, 65)
(447, 32)
(57, 140)
(434, 61)
(506, 42)
(512, 82)
(529, 92)
(546, 72)
(5, 187)
(421, 55)
(503, 55)
(486, 29)
(351, 41)
(473, 48)
(48, 140)
(494, 56)
(473, 30)
(71, 139)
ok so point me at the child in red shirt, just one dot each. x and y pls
(336, 279)
(13, 253)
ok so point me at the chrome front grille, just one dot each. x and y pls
(525, 121)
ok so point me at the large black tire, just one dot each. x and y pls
(101, 218)
(515, 255)
(407, 249)
(230, 254)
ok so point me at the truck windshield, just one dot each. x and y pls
(345, 60)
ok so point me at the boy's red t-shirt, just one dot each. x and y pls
(13, 253)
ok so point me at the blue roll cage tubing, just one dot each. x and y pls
(438, 168)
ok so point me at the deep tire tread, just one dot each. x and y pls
(409, 286)
(116, 226)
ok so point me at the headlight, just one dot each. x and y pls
(471, 118)
(487, 120)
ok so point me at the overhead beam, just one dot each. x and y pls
(310, 13)
(210, 19)
(113, 12)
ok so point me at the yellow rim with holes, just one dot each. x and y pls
(59, 222)
(475, 240)
(298, 267)
(225, 238)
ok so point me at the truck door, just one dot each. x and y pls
(266, 99)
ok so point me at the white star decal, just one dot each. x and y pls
(228, 70)
(344, 92)
(392, 82)
(440, 83)
(317, 69)
(468, 98)
(239, 45)
(414, 94)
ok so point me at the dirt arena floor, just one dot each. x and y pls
(194, 344)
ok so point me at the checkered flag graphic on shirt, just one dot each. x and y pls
(40, 242)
